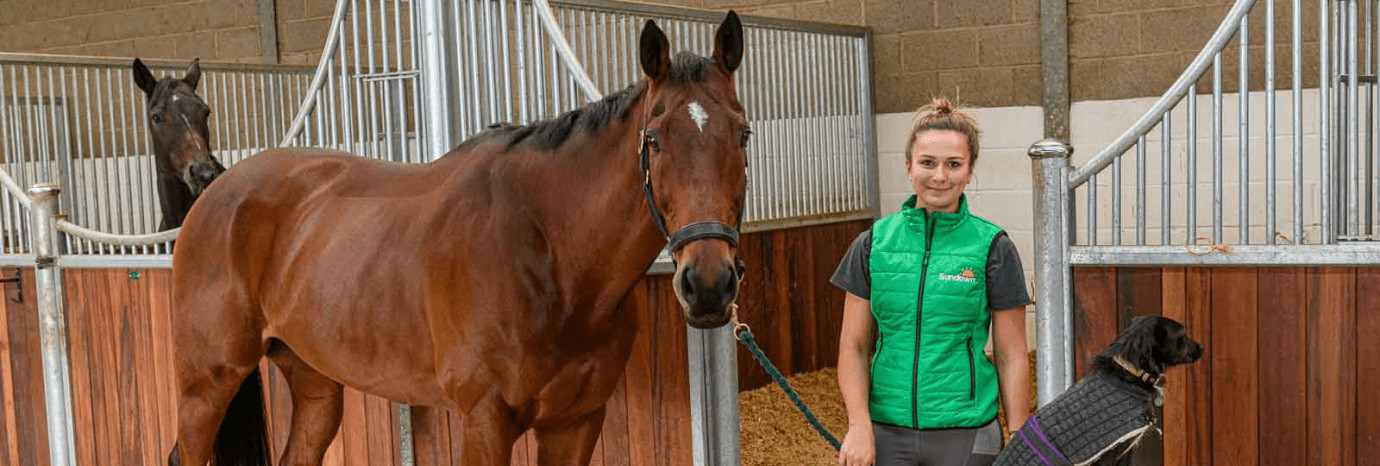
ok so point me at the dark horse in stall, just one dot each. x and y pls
(181, 140)
(486, 282)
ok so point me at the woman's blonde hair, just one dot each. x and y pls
(941, 115)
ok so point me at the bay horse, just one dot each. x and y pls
(177, 121)
(487, 281)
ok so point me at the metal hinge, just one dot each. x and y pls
(18, 281)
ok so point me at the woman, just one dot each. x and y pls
(931, 278)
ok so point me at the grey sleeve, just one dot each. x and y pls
(852, 274)
(1005, 276)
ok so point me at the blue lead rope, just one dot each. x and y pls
(744, 335)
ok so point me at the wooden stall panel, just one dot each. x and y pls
(1094, 313)
(1282, 318)
(24, 423)
(1332, 366)
(1367, 364)
(1176, 412)
(1234, 356)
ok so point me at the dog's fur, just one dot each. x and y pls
(1151, 344)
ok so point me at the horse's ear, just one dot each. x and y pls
(143, 78)
(193, 74)
(728, 42)
(654, 51)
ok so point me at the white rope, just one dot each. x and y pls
(118, 240)
(15, 191)
(557, 36)
(322, 69)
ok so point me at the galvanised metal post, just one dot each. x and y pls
(713, 357)
(52, 327)
(436, 76)
(1053, 318)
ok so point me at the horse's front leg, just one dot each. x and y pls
(571, 442)
(490, 430)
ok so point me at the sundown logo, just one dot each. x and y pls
(966, 276)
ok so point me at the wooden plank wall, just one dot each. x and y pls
(1283, 377)
(124, 399)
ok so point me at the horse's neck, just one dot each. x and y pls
(175, 200)
(611, 213)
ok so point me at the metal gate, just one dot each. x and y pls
(1243, 177)
(404, 80)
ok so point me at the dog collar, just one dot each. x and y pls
(1137, 372)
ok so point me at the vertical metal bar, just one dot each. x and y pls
(1270, 130)
(1328, 235)
(1297, 99)
(524, 116)
(1243, 135)
(781, 151)
(1054, 347)
(434, 77)
(1165, 178)
(1373, 99)
(375, 139)
(1353, 123)
(1191, 207)
(838, 134)
(756, 151)
(118, 139)
(1117, 206)
(1115, 210)
(539, 46)
(79, 169)
(1217, 148)
(490, 59)
(798, 155)
(52, 328)
(1140, 190)
(713, 365)
(92, 207)
(1366, 171)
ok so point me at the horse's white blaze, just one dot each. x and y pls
(698, 114)
(189, 126)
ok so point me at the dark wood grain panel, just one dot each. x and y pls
(1282, 319)
(1094, 313)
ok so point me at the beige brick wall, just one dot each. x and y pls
(214, 30)
(984, 52)
(987, 52)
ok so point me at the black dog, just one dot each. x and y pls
(1104, 416)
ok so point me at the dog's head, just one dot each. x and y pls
(1154, 343)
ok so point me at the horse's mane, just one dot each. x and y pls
(686, 68)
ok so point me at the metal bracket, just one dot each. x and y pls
(18, 281)
(44, 262)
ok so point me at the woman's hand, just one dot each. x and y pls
(858, 449)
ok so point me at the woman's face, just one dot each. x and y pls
(939, 170)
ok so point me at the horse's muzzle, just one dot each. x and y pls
(200, 174)
(706, 293)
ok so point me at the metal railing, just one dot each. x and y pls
(80, 122)
(1205, 170)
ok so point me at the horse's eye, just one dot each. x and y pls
(156, 118)
(746, 134)
(653, 141)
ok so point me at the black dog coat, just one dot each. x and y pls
(1097, 414)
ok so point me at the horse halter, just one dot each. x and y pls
(690, 232)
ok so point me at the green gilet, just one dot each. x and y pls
(931, 269)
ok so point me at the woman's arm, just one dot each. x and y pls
(855, 371)
(1013, 365)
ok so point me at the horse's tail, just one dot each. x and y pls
(243, 435)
